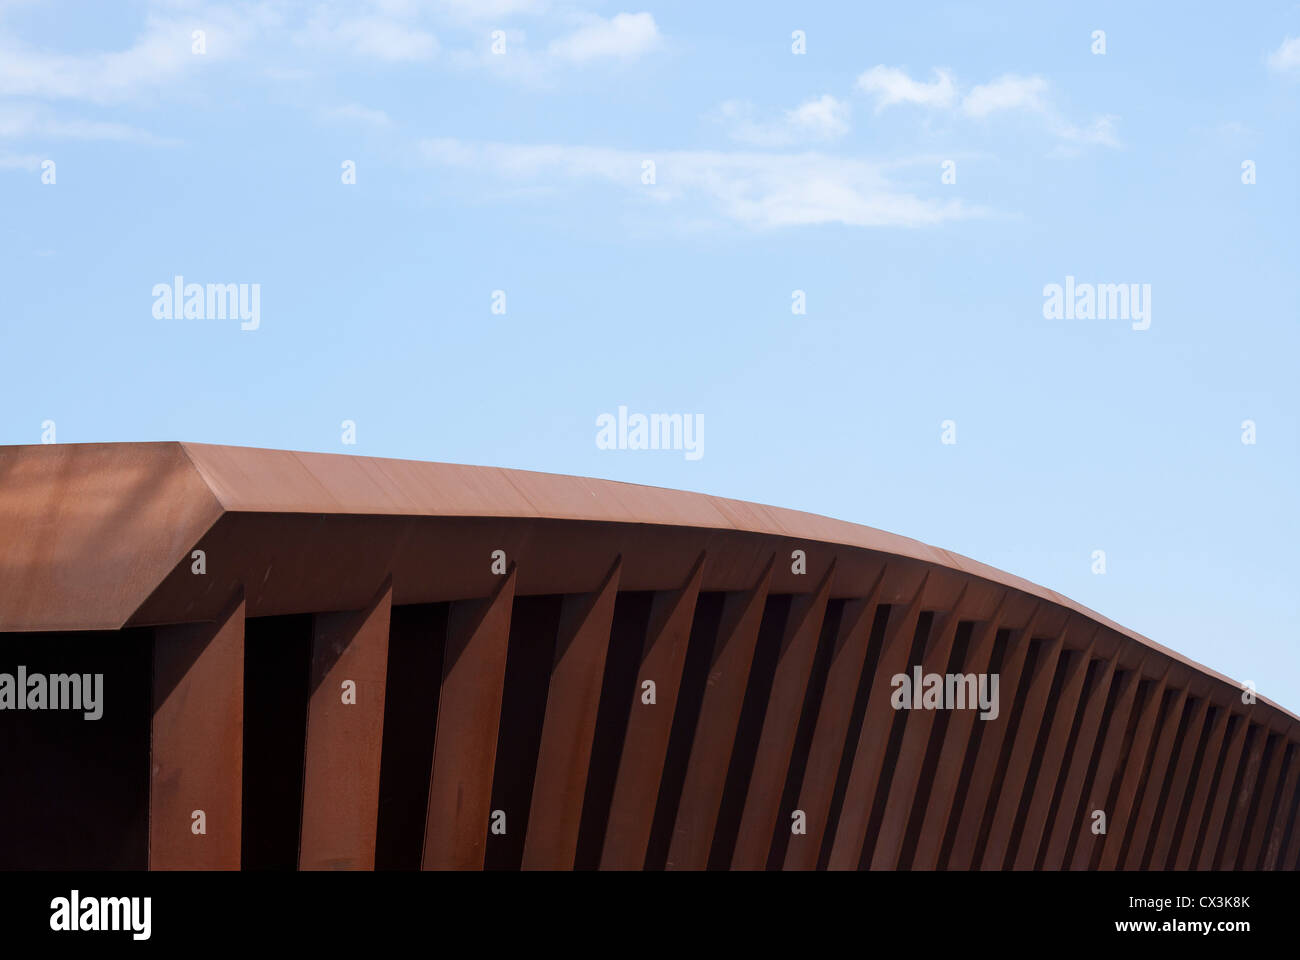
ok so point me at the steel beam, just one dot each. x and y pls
(645, 745)
(345, 732)
(873, 741)
(197, 747)
(569, 726)
(834, 715)
(469, 714)
(715, 732)
(780, 725)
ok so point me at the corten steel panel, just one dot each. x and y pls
(869, 758)
(1182, 773)
(1091, 716)
(1286, 802)
(340, 790)
(834, 716)
(775, 742)
(197, 749)
(916, 737)
(469, 711)
(1140, 828)
(1234, 759)
(569, 726)
(1240, 803)
(1135, 767)
(645, 744)
(1264, 797)
(1060, 716)
(1069, 816)
(980, 800)
(956, 742)
(724, 695)
(1201, 796)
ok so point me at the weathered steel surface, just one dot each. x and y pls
(771, 711)
(345, 730)
(469, 711)
(645, 743)
(706, 772)
(775, 742)
(197, 749)
(833, 719)
(569, 726)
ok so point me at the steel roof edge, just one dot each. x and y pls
(239, 480)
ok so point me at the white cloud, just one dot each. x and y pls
(1286, 58)
(1008, 92)
(760, 191)
(625, 36)
(474, 10)
(19, 161)
(19, 121)
(355, 113)
(1101, 132)
(822, 119)
(377, 38)
(159, 57)
(890, 85)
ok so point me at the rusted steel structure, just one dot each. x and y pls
(331, 662)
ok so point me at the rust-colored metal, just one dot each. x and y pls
(1240, 803)
(1182, 773)
(469, 710)
(345, 731)
(869, 758)
(981, 796)
(776, 741)
(195, 546)
(1034, 712)
(908, 770)
(1214, 748)
(1088, 843)
(1262, 799)
(1135, 768)
(1286, 802)
(570, 724)
(1234, 755)
(649, 725)
(197, 749)
(1060, 718)
(1065, 824)
(833, 719)
(956, 742)
(706, 772)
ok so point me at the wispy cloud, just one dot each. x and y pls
(1010, 93)
(754, 190)
(18, 161)
(890, 85)
(355, 113)
(162, 54)
(1286, 58)
(820, 119)
(23, 121)
(373, 37)
(625, 36)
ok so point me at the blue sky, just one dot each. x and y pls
(774, 171)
